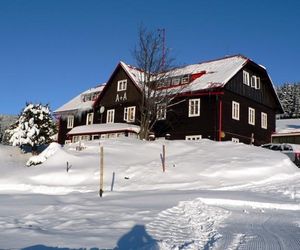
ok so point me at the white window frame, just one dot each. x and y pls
(246, 77)
(258, 83)
(236, 140)
(89, 118)
(129, 114)
(110, 116)
(122, 85)
(251, 116)
(70, 121)
(68, 142)
(161, 111)
(253, 81)
(194, 107)
(235, 111)
(75, 138)
(264, 120)
(193, 137)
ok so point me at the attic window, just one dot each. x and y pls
(176, 81)
(122, 85)
(185, 79)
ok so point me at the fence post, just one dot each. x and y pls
(163, 158)
(113, 181)
(101, 171)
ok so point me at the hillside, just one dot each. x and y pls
(209, 195)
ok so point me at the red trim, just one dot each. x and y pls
(197, 75)
(203, 93)
(220, 119)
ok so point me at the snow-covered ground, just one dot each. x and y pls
(211, 196)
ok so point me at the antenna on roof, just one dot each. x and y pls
(162, 32)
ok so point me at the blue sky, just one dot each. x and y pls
(52, 50)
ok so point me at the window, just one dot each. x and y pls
(129, 114)
(257, 86)
(122, 85)
(85, 138)
(193, 137)
(185, 79)
(110, 116)
(176, 81)
(68, 142)
(89, 118)
(264, 120)
(246, 79)
(75, 138)
(70, 122)
(251, 116)
(161, 111)
(236, 140)
(253, 81)
(235, 110)
(194, 107)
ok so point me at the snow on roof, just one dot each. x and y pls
(287, 126)
(216, 73)
(78, 103)
(104, 128)
(134, 73)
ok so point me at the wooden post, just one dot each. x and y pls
(101, 171)
(163, 158)
(113, 181)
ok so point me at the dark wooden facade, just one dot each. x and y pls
(111, 98)
(215, 121)
(79, 120)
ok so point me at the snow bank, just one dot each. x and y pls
(137, 166)
(49, 151)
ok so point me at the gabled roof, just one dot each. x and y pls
(216, 72)
(77, 103)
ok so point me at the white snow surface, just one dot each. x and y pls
(213, 195)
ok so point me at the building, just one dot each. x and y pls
(287, 131)
(76, 112)
(231, 98)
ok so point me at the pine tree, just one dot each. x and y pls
(34, 127)
(289, 96)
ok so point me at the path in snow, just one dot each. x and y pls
(259, 229)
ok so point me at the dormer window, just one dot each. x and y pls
(185, 79)
(122, 85)
(176, 81)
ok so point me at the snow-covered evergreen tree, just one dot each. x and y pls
(34, 127)
(289, 95)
